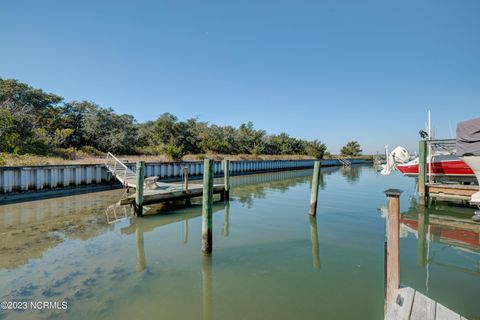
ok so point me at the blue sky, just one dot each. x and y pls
(330, 70)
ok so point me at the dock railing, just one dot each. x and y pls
(436, 147)
(118, 169)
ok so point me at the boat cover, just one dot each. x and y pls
(468, 138)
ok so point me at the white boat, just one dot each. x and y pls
(468, 149)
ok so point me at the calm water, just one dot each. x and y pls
(270, 260)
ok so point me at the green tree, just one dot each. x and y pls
(10, 138)
(72, 117)
(32, 109)
(249, 140)
(33, 121)
(351, 149)
(107, 131)
(314, 149)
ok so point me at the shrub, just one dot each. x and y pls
(173, 152)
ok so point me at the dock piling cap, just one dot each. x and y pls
(393, 192)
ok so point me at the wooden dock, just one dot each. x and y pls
(407, 303)
(443, 191)
(150, 190)
(172, 192)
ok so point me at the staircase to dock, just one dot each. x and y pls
(120, 171)
(345, 162)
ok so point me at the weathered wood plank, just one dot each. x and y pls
(401, 305)
(453, 186)
(443, 313)
(423, 308)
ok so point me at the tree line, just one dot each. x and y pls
(33, 121)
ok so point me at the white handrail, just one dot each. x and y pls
(114, 169)
(117, 160)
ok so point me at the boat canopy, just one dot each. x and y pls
(468, 138)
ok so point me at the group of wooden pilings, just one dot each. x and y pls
(207, 196)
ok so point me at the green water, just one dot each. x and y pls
(270, 260)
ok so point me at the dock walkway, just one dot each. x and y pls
(407, 303)
(448, 191)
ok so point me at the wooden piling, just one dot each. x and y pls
(422, 171)
(138, 206)
(393, 244)
(185, 178)
(314, 191)
(188, 201)
(226, 175)
(207, 203)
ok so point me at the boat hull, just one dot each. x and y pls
(444, 168)
(474, 163)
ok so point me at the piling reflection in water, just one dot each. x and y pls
(351, 173)
(226, 220)
(207, 287)
(422, 236)
(314, 241)
(185, 231)
(141, 260)
(438, 228)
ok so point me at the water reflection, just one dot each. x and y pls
(29, 229)
(447, 239)
(315, 243)
(351, 173)
(247, 188)
(141, 260)
(148, 267)
(226, 220)
(185, 231)
(207, 287)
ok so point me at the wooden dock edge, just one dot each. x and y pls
(150, 198)
(451, 192)
(408, 303)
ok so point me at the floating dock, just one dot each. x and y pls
(171, 192)
(407, 303)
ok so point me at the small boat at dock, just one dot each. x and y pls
(440, 165)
